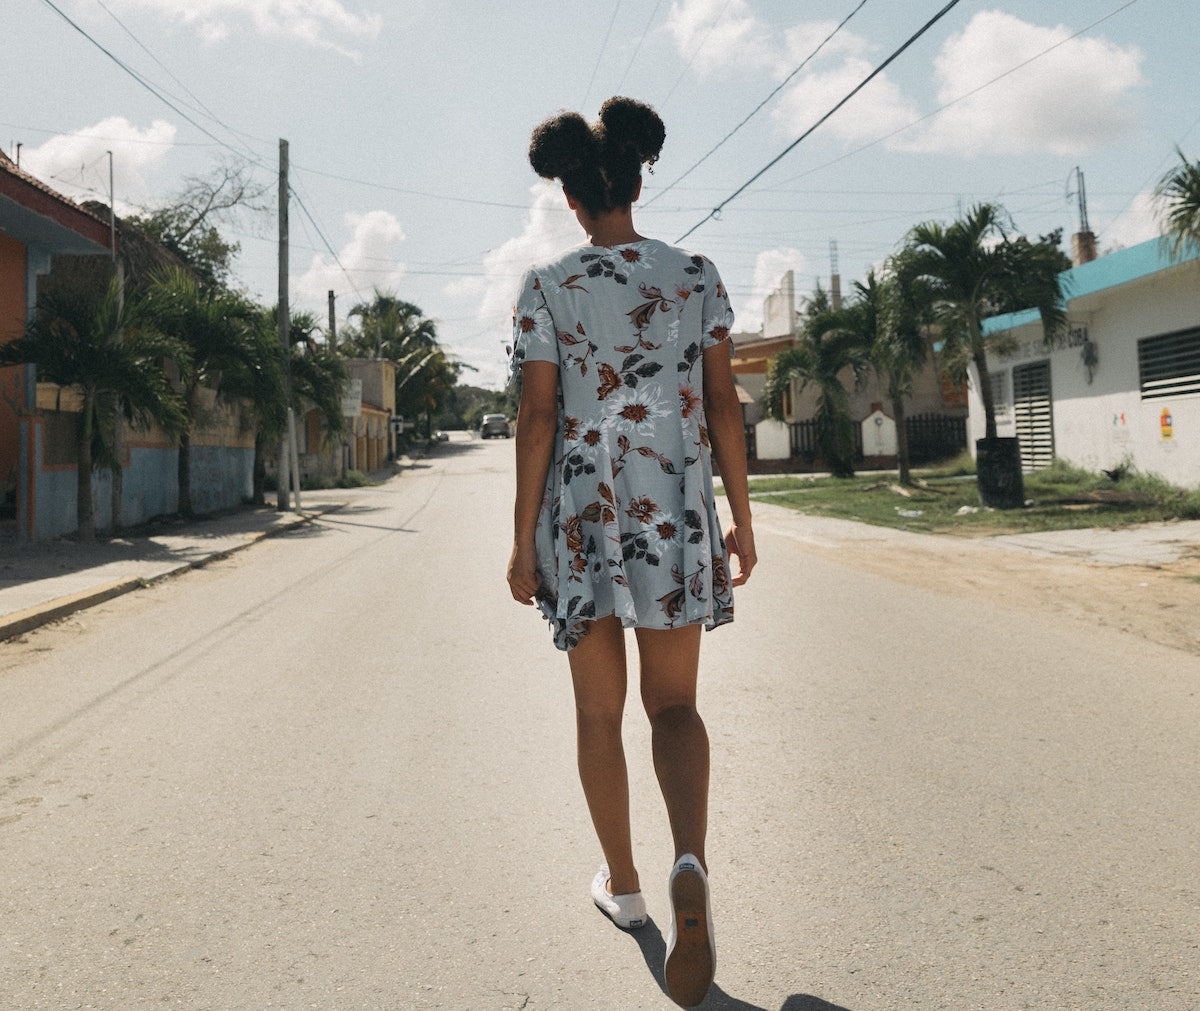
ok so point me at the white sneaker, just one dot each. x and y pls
(627, 911)
(691, 945)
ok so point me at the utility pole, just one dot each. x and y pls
(332, 323)
(288, 457)
(118, 475)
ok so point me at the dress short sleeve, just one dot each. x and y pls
(717, 315)
(534, 336)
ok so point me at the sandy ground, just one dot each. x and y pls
(1159, 602)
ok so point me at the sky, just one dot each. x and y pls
(408, 123)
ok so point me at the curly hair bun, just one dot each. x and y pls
(634, 126)
(561, 146)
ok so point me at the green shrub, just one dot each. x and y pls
(354, 479)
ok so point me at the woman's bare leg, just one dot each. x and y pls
(599, 675)
(670, 659)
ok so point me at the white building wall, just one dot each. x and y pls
(1104, 422)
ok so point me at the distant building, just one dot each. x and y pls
(36, 225)
(937, 407)
(1122, 385)
(48, 242)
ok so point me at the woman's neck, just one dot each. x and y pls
(612, 228)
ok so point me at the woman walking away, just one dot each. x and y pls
(622, 347)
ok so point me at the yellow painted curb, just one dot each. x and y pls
(24, 621)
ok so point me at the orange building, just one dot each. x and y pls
(36, 224)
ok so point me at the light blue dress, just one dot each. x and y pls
(627, 524)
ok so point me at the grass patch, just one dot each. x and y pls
(945, 500)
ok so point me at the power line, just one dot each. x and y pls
(961, 98)
(336, 259)
(96, 136)
(199, 105)
(141, 80)
(638, 48)
(715, 212)
(754, 112)
(410, 192)
(600, 55)
(695, 52)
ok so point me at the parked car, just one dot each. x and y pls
(493, 424)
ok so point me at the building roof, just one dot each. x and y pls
(34, 214)
(1121, 267)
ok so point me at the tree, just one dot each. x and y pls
(318, 377)
(388, 328)
(217, 329)
(899, 346)
(188, 226)
(974, 268)
(831, 342)
(1178, 198)
(398, 331)
(107, 349)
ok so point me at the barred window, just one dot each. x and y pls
(1169, 365)
(1001, 397)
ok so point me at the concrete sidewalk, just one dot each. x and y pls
(43, 582)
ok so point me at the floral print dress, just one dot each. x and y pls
(627, 523)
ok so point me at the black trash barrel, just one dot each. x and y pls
(998, 469)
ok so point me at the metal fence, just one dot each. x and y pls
(802, 440)
(930, 437)
(935, 437)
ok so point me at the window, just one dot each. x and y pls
(1169, 365)
(1001, 400)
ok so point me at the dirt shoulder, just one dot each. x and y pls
(1158, 600)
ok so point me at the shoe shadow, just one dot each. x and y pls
(654, 950)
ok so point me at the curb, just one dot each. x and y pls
(20, 622)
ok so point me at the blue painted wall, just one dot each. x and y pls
(222, 478)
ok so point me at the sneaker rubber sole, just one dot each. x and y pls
(691, 963)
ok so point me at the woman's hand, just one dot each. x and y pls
(739, 541)
(523, 576)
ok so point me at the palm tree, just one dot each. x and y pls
(899, 344)
(975, 269)
(389, 328)
(398, 331)
(105, 348)
(217, 328)
(832, 341)
(1178, 197)
(318, 376)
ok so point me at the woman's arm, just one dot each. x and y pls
(727, 435)
(537, 422)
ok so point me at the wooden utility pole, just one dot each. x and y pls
(332, 324)
(118, 476)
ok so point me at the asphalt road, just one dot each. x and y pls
(336, 771)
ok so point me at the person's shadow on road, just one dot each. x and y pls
(654, 950)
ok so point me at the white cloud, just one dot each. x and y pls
(1076, 98)
(1137, 223)
(720, 34)
(877, 110)
(76, 164)
(550, 228)
(769, 268)
(323, 24)
(369, 257)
